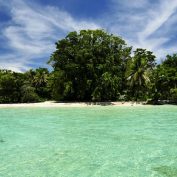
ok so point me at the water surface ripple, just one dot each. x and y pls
(89, 142)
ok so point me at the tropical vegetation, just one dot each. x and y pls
(92, 65)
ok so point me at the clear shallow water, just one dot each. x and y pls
(88, 142)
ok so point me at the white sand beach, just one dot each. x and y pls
(70, 104)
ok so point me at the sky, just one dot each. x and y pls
(30, 28)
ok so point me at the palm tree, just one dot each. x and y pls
(40, 77)
(40, 82)
(138, 70)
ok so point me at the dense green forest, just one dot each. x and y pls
(92, 65)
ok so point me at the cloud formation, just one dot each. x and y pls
(28, 36)
(32, 32)
(144, 22)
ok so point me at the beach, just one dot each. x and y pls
(70, 104)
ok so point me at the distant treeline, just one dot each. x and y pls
(92, 65)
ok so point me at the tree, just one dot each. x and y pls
(89, 65)
(165, 79)
(138, 73)
(28, 94)
(10, 84)
(38, 79)
(31, 86)
(40, 82)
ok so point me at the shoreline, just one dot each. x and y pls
(70, 104)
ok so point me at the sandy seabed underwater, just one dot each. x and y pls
(99, 141)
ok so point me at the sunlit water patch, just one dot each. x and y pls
(89, 142)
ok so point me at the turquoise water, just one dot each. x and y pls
(88, 142)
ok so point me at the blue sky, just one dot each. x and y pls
(29, 28)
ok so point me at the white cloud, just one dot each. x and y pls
(156, 21)
(138, 22)
(133, 4)
(33, 30)
(12, 62)
(158, 18)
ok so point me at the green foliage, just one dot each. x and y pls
(92, 65)
(31, 86)
(10, 84)
(89, 65)
(29, 95)
(138, 73)
(173, 93)
(165, 79)
(107, 88)
(39, 80)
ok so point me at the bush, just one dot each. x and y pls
(29, 95)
